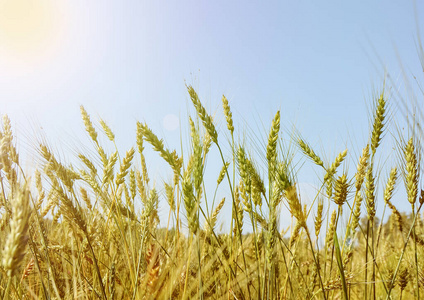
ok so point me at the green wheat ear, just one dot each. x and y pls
(222, 173)
(271, 149)
(201, 111)
(411, 180)
(318, 218)
(307, 150)
(362, 167)
(390, 186)
(332, 170)
(370, 193)
(378, 125)
(228, 114)
(170, 157)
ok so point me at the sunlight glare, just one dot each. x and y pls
(171, 122)
(28, 28)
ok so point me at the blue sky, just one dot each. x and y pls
(319, 62)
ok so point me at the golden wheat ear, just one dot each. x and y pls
(17, 238)
(411, 170)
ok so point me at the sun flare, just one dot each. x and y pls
(27, 27)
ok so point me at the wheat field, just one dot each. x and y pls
(92, 232)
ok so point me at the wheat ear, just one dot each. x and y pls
(378, 125)
(411, 168)
(332, 170)
(271, 149)
(201, 111)
(228, 114)
(340, 190)
(126, 164)
(110, 135)
(17, 238)
(307, 150)
(88, 125)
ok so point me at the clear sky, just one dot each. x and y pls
(320, 62)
